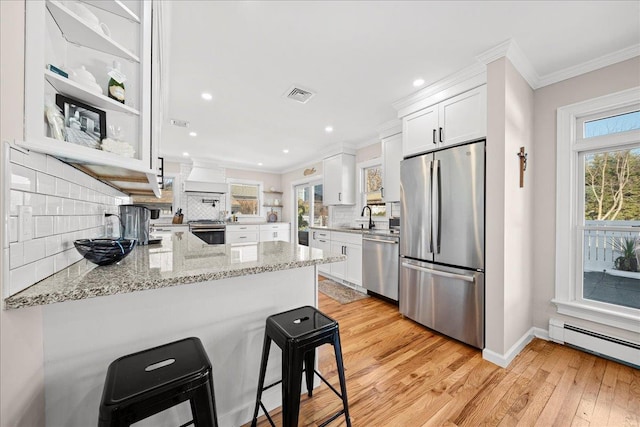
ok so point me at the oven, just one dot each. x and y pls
(209, 231)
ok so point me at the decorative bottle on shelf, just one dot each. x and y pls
(116, 83)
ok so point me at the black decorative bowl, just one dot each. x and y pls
(104, 251)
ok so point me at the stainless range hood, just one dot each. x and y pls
(206, 177)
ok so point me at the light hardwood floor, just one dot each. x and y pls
(401, 374)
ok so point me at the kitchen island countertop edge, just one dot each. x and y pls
(180, 259)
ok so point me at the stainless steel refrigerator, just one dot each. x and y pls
(442, 241)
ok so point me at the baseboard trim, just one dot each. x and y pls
(504, 360)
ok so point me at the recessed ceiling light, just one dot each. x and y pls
(260, 164)
(206, 96)
(193, 134)
(285, 151)
(418, 82)
(328, 129)
(185, 154)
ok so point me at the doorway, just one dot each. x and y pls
(310, 210)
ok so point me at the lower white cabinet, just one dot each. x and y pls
(242, 234)
(253, 233)
(275, 232)
(321, 240)
(349, 244)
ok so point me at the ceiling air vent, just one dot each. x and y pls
(180, 123)
(300, 95)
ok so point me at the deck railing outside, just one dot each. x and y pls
(599, 236)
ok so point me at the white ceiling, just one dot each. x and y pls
(359, 57)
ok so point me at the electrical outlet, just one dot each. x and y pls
(25, 223)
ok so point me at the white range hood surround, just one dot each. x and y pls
(206, 177)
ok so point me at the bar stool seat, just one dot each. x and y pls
(147, 382)
(298, 333)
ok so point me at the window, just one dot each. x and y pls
(245, 199)
(164, 204)
(372, 191)
(598, 210)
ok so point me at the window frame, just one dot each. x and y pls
(362, 200)
(570, 150)
(259, 184)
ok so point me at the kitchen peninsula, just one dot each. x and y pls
(160, 293)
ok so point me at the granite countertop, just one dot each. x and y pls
(382, 232)
(180, 258)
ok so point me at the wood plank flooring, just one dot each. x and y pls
(401, 374)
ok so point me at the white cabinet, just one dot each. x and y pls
(321, 239)
(275, 232)
(458, 119)
(242, 234)
(57, 34)
(339, 179)
(391, 157)
(349, 244)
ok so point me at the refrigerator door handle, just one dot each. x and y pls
(431, 206)
(438, 207)
(440, 272)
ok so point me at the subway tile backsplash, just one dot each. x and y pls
(67, 205)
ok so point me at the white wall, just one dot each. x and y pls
(611, 79)
(508, 208)
(518, 289)
(21, 349)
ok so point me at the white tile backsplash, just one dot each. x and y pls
(23, 178)
(34, 250)
(16, 255)
(67, 205)
(44, 226)
(46, 183)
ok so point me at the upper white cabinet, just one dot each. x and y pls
(391, 157)
(339, 179)
(457, 119)
(70, 35)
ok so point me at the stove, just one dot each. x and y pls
(210, 231)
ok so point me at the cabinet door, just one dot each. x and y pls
(339, 173)
(242, 237)
(324, 245)
(338, 269)
(392, 156)
(420, 131)
(464, 117)
(353, 270)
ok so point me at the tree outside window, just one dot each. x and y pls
(373, 190)
(245, 199)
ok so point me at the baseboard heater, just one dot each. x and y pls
(595, 342)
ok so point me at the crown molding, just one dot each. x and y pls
(475, 70)
(592, 65)
(390, 128)
(510, 49)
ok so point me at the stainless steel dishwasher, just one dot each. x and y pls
(380, 264)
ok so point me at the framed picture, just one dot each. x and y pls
(84, 124)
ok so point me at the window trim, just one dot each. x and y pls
(361, 183)
(569, 147)
(261, 209)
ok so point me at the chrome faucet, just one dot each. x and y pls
(371, 224)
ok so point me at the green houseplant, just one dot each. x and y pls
(626, 247)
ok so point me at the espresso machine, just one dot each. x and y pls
(135, 221)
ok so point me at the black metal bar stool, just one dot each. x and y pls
(142, 384)
(298, 333)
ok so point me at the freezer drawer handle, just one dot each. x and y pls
(392, 242)
(439, 273)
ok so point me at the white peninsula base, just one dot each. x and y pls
(82, 337)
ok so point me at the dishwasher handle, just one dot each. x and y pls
(439, 272)
(391, 242)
